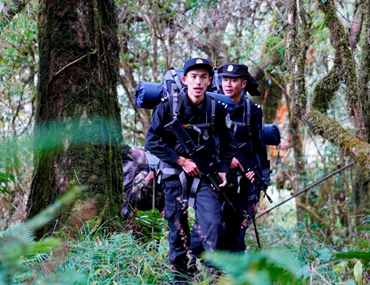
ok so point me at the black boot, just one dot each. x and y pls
(180, 275)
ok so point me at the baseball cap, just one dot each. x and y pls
(196, 63)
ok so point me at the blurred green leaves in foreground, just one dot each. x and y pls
(18, 248)
(270, 266)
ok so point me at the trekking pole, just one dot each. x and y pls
(306, 189)
(153, 199)
(256, 232)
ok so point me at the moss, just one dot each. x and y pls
(334, 132)
(339, 40)
(364, 75)
(325, 90)
(84, 91)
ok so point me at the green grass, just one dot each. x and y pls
(289, 256)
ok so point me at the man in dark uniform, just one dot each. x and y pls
(244, 195)
(209, 119)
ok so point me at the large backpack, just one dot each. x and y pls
(138, 193)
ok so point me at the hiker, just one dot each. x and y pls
(209, 119)
(247, 128)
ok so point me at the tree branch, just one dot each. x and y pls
(332, 131)
(355, 29)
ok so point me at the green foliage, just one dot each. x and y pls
(107, 259)
(150, 224)
(362, 255)
(5, 178)
(271, 266)
(17, 248)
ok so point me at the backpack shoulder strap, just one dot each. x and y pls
(213, 102)
(213, 115)
(176, 78)
(248, 113)
(176, 100)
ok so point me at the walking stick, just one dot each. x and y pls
(256, 232)
(306, 189)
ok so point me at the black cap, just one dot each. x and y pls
(197, 62)
(241, 70)
(234, 70)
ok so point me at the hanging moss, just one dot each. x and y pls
(339, 40)
(325, 89)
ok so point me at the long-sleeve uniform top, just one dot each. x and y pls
(162, 143)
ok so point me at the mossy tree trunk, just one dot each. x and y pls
(342, 74)
(77, 129)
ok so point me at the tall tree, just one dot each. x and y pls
(77, 129)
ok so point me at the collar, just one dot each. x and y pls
(241, 102)
(202, 106)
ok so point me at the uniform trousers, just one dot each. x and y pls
(208, 213)
(234, 238)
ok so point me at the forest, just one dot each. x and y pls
(68, 72)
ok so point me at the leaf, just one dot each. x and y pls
(357, 271)
(340, 267)
(324, 24)
(4, 190)
(325, 254)
(364, 256)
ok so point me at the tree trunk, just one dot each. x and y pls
(77, 130)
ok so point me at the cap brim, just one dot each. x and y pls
(200, 65)
(230, 74)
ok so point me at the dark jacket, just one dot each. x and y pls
(162, 143)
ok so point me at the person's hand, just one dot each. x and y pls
(250, 176)
(223, 179)
(235, 164)
(188, 166)
(150, 176)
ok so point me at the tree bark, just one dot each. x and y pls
(78, 133)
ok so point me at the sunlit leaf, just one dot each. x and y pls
(358, 272)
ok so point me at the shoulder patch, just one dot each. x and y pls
(228, 121)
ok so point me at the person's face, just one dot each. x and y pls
(233, 86)
(197, 81)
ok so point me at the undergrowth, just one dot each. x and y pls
(139, 255)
